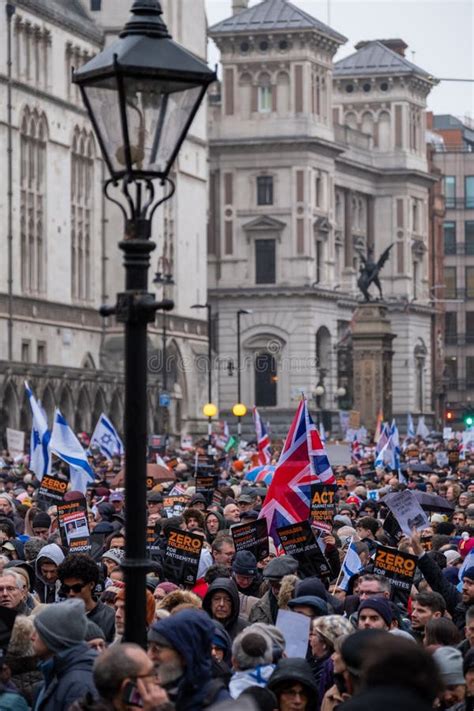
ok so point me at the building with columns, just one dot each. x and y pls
(59, 238)
(313, 161)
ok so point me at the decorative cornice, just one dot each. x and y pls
(65, 20)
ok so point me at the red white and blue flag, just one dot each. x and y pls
(263, 440)
(303, 461)
(356, 450)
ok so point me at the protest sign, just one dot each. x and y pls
(373, 494)
(442, 459)
(251, 536)
(53, 488)
(323, 505)
(295, 629)
(206, 484)
(175, 505)
(15, 443)
(152, 535)
(399, 567)
(354, 419)
(186, 442)
(407, 511)
(73, 525)
(298, 540)
(181, 560)
(339, 454)
(447, 432)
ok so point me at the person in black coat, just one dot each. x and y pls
(293, 679)
(221, 603)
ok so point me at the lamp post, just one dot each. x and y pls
(142, 93)
(239, 410)
(164, 276)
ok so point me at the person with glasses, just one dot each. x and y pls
(13, 592)
(79, 575)
(66, 661)
(294, 686)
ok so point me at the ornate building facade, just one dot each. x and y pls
(60, 257)
(312, 161)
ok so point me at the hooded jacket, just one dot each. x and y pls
(190, 633)
(236, 623)
(48, 592)
(291, 671)
(222, 525)
(67, 677)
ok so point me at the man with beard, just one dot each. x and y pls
(180, 648)
(426, 606)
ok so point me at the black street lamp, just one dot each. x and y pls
(165, 278)
(142, 94)
(239, 410)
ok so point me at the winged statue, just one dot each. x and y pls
(370, 269)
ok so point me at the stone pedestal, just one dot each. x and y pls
(372, 361)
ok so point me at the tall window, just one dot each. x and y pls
(469, 236)
(450, 282)
(451, 327)
(33, 136)
(450, 190)
(470, 371)
(265, 272)
(470, 282)
(264, 190)
(469, 192)
(469, 326)
(264, 94)
(82, 184)
(449, 231)
(451, 371)
(96, 5)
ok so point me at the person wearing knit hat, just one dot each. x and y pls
(245, 573)
(450, 665)
(40, 524)
(374, 613)
(66, 660)
(95, 637)
(252, 656)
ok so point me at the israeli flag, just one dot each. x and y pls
(351, 566)
(410, 426)
(67, 447)
(422, 430)
(106, 438)
(40, 458)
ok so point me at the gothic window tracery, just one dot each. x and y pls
(82, 182)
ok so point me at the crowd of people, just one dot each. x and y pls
(218, 643)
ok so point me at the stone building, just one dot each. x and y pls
(454, 158)
(60, 258)
(312, 161)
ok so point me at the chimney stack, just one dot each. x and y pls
(239, 5)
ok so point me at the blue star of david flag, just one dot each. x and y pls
(67, 447)
(106, 438)
(40, 459)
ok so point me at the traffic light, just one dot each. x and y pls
(449, 416)
(468, 418)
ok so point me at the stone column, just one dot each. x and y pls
(372, 353)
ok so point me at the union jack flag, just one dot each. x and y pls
(263, 440)
(302, 462)
(356, 450)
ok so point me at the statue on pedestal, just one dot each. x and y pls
(369, 271)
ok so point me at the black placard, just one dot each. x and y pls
(53, 488)
(74, 526)
(206, 484)
(323, 505)
(399, 567)
(181, 561)
(298, 540)
(251, 536)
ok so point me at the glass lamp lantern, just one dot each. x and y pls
(142, 94)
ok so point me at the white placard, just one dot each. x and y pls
(339, 454)
(295, 630)
(407, 511)
(15, 442)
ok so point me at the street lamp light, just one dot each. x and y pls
(239, 405)
(141, 93)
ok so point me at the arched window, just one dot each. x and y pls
(368, 123)
(33, 138)
(245, 85)
(266, 379)
(264, 94)
(350, 119)
(82, 181)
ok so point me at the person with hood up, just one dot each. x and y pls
(252, 655)
(221, 603)
(293, 684)
(46, 567)
(180, 648)
(66, 660)
(214, 523)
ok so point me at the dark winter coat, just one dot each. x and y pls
(452, 597)
(292, 671)
(262, 610)
(67, 677)
(104, 616)
(236, 623)
(384, 698)
(48, 592)
(190, 633)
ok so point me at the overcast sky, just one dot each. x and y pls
(440, 33)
